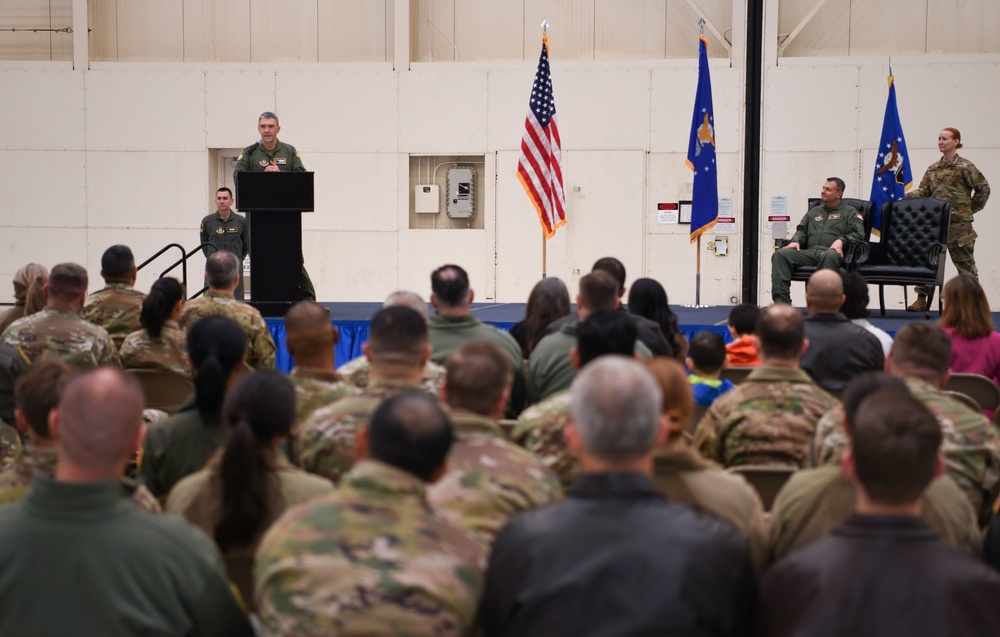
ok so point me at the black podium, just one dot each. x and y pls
(274, 203)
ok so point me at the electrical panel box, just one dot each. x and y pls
(426, 199)
(462, 193)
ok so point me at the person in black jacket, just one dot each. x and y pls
(616, 557)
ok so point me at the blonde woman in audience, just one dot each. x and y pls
(29, 294)
(247, 485)
(160, 343)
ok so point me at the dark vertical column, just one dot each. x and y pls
(751, 149)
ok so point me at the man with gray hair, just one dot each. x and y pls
(598, 551)
(222, 274)
(358, 373)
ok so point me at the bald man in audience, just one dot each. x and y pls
(397, 351)
(921, 357)
(814, 502)
(838, 349)
(358, 373)
(77, 559)
(310, 338)
(770, 417)
(489, 479)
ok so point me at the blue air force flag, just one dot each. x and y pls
(701, 152)
(892, 164)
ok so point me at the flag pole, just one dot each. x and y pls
(545, 36)
(697, 271)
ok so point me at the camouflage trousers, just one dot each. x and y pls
(783, 262)
(961, 246)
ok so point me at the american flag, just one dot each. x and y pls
(540, 166)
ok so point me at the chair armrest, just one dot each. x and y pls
(934, 252)
(856, 251)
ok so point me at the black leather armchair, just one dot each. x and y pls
(911, 250)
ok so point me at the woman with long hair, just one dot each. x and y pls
(648, 299)
(160, 343)
(180, 445)
(248, 484)
(29, 293)
(975, 345)
(548, 302)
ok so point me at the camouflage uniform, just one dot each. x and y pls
(370, 559)
(971, 446)
(13, 363)
(10, 446)
(817, 231)
(15, 482)
(358, 372)
(64, 334)
(116, 308)
(261, 352)
(489, 479)
(324, 445)
(539, 429)
(315, 388)
(815, 502)
(168, 352)
(768, 419)
(956, 180)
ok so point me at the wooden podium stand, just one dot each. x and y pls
(274, 203)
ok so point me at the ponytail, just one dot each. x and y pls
(158, 305)
(216, 345)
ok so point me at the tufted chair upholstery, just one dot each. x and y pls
(803, 272)
(914, 239)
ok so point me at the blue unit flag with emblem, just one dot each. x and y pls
(701, 152)
(892, 176)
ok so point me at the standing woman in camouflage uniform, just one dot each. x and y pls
(954, 178)
(160, 343)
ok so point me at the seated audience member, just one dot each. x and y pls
(966, 319)
(58, 329)
(37, 393)
(222, 273)
(249, 484)
(814, 502)
(742, 352)
(489, 479)
(358, 373)
(397, 351)
(550, 369)
(160, 343)
(310, 338)
(548, 302)
(920, 355)
(770, 417)
(116, 308)
(687, 478)
(648, 300)
(373, 558)
(855, 308)
(615, 556)
(838, 350)
(453, 325)
(884, 571)
(12, 365)
(29, 294)
(540, 428)
(180, 445)
(77, 559)
(706, 358)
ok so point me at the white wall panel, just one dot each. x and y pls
(352, 31)
(518, 235)
(354, 191)
(145, 242)
(442, 111)
(669, 180)
(35, 14)
(352, 266)
(146, 110)
(351, 111)
(47, 246)
(147, 189)
(42, 188)
(571, 29)
(637, 33)
(102, 16)
(509, 92)
(602, 109)
(43, 109)
(672, 104)
(888, 27)
(150, 31)
(283, 31)
(216, 30)
(423, 251)
(811, 108)
(233, 102)
(962, 27)
(432, 34)
(491, 30)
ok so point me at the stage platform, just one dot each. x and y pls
(352, 321)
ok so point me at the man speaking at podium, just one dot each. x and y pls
(271, 155)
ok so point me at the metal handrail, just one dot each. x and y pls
(180, 262)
